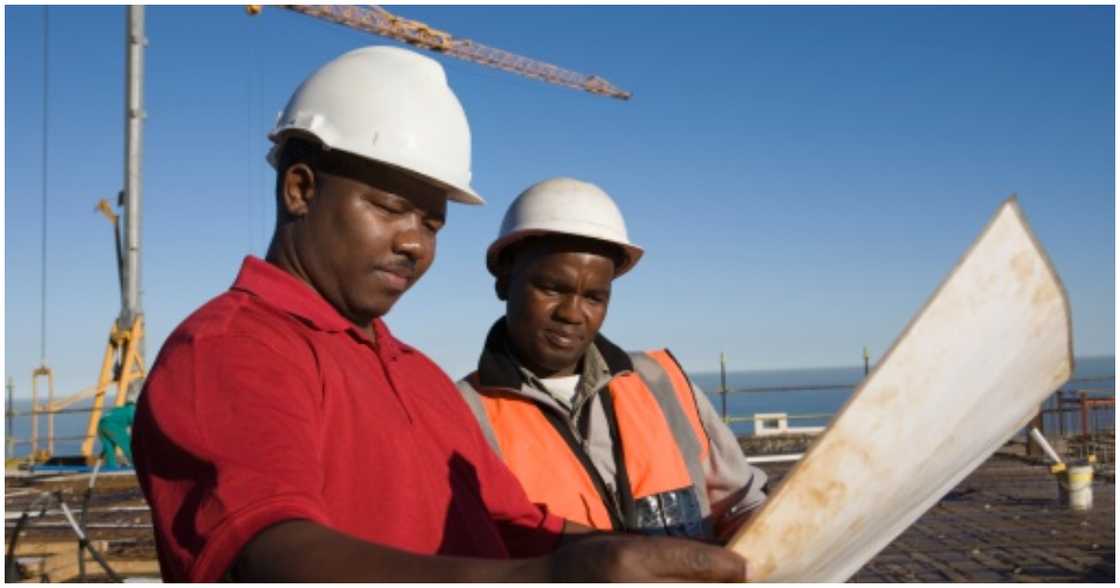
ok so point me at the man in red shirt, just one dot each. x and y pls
(285, 434)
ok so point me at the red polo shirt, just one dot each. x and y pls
(267, 405)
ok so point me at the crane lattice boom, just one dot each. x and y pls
(379, 21)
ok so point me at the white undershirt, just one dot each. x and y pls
(563, 389)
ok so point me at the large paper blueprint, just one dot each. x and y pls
(968, 372)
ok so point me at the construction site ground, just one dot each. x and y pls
(1003, 523)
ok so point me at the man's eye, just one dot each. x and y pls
(389, 207)
(599, 298)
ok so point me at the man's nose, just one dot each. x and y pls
(410, 239)
(568, 310)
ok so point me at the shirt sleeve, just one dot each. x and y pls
(227, 440)
(734, 486)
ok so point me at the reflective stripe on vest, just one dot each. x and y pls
(672, 389)
(685, 396)
(662, 452)
(653, 460)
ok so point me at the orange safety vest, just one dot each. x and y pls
(555, 470)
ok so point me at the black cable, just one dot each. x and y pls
(43, 272)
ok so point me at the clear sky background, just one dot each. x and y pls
(802, 178)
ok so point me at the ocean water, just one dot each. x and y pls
(817, 401)
(792, 402)
(65, 425)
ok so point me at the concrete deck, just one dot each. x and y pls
(1001, 524)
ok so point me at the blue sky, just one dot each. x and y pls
(801, 177)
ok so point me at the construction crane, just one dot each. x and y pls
(377, 20)
(122, 365)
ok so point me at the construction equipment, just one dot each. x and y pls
(123, 363)
(41, 454)
(377, 20)
(43, 370)
(122, 366)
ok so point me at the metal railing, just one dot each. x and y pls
(12, 442)
(750, 418)
(1084, 407)
(1083, 411)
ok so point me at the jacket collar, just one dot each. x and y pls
(295, 297)
(498, 367)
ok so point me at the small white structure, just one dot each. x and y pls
(777, 423)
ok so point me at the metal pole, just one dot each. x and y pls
(134, 121)
(723, 387)
(46, 104)
(34, 416)
(1036, 424)
(83, 539)
(1044, 445)
(11, 448)
(1084, 401)
(1061, 415)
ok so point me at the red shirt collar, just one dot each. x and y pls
(297, 298)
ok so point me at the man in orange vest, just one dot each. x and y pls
(605, 438)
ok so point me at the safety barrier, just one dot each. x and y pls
(1084, 408)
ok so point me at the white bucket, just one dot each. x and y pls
(1076, 487)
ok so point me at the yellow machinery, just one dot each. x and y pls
(122, 364)
(36, 453)
(122, 367)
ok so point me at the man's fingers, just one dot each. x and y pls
(692, 561)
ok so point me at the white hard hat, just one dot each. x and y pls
(389, 105)
(563, 206)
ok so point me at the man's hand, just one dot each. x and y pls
(305, 551)
(631, 558)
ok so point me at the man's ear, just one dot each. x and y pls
(298, 189)
(501, 285)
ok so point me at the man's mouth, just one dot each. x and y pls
(561, 339)
(395, 278)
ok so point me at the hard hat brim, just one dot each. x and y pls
(461, 194)
(632, 253)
